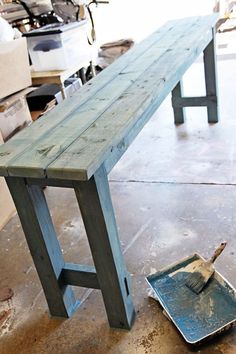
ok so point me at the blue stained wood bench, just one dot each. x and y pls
(77, 144)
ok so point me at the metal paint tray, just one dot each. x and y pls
(197, 317)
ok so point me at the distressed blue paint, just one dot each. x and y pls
(45, 249)
(99, 220)
(63, 149)
(196, 316)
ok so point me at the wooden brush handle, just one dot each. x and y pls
(218, 251)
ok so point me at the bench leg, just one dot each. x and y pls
(211, 80)
(99, 220)
(43, 244)
(179, 112)
(210, 100)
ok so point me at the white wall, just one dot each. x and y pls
(136, 19)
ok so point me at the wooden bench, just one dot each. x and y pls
(77, 144)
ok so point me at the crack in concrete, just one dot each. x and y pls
(174, 183)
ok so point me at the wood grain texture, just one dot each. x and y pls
(72, 142)
(131, 111)
(99, 221)
(209, 58)
(52, 145)
(79, 275)
(179, 111)
(43, 244)
(78, 143)
(27, 138)
(193, 101)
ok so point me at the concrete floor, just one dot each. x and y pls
(174, 193)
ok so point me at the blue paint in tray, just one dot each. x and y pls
(198, 317)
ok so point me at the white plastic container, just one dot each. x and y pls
(59, 46)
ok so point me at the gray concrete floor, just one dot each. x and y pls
(174, 193)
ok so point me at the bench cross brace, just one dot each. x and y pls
(109, 274)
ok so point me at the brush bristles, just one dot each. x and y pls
(196, 281)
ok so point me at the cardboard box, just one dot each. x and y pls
(14, 67)
(14, 114)
(7, 207)
(37, 114)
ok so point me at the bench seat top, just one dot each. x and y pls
(97, 124)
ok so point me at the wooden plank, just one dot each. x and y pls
(209, 58)
(193, 101)
(99, 221)
(43, 182)
(80, 275)
(43, 244)
(28, 137)
(138, 102)
(16, 145)
(179, 112)
(53, 144)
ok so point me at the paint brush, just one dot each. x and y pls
(203, 272)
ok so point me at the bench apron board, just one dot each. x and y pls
(78, 143)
